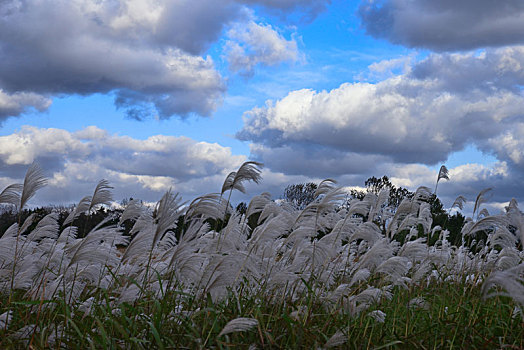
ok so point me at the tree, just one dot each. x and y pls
(375, 185)
(300, 195)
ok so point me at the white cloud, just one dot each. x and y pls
(418, 117)
(250, 44)
(76, 161)
(20, 102)
(150, 54)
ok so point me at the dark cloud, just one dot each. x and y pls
(445, 25)
(315, 161)
(141, 51)
(308, 9)
(149, 54)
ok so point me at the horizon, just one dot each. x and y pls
(179, 94)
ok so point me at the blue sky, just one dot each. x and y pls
(176, 94)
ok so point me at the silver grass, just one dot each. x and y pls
(12, 231)
(25, 273)
(363, 206)
(270, 210)
(422, 193)
(487, 223)
(101, 195)
(81, 207)
(405, 208)
(168, 210)
(481, 198)
(516, 218)
(249, 171)
(5, 319)
(327, 202)
(360, 275)
(27, 222)
(240, 324)
(459, 202)
(211, 205)
(442, 174)
(483, 213)
(396, 267)
(132, 211)
(365, 298)
(503, 238)
(378, 316)
(367, 231)
(33, 181)
(11, 194)
(343, 290)
(129, 294)
(258, 203)
(378, 253)
(381, 200)
(336, 339)
(46, 227)
(68, 234)
(416, 250)
(324, 187)
(425, 218)
(81, 251)
(508, 258)
(511, 280)
(7, 242)
(143, 231)
(418, 302)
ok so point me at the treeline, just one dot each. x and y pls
(297, 195)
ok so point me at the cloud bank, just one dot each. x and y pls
(150, 55)
(438, 106)
(76, 161)
(445, 25)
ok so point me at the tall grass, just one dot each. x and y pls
(324, 276)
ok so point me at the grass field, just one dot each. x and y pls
(360, 275)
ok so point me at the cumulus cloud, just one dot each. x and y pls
(141, 51)
(418, 117)
(149, 54)
(444, 25)
(251, 44)
(406, 122)
(75, 161)
(17, 103)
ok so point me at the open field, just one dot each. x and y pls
(358, 274)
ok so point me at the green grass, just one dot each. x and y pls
(456, 316)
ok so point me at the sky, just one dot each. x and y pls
(175, 94)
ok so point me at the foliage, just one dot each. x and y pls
(300, 195)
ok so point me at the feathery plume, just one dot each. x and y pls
(101, 195)
(33, 181)
(249, 171)
(336, 339)
(459, 202)
(442, 174)
(239, 325)
(11, 194)
(481, 198)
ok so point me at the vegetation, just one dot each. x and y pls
(378, 271)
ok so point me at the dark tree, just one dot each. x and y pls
(241, 208)
(375, 185)
(300, 195)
